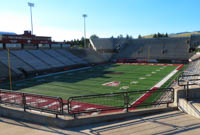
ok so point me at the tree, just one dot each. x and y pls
(111, 37)
(120, 36)
(139, 36)
(155, 36)
(159, 35)
(127, 36)
(94, 36)
(166, 35)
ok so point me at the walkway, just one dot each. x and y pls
(170, 123)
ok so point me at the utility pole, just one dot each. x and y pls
(31, 5)
(84, 17)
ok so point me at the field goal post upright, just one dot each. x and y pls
(9, 69)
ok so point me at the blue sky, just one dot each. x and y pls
(62, 19)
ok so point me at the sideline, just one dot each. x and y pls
(142, 98)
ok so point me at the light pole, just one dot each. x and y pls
(31, 5)
(84, 16)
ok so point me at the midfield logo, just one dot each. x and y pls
(113, 83)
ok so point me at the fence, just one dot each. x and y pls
(188, 79)
(119, 101)
(100, 103)
(41, 103)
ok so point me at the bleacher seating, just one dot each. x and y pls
(53, 63)
(4, 71)
(16, 63)
(31, 59)
(88, 55)
(70, 56)
(59, 57)
(161, 48)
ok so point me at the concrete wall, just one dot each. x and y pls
(188, 108)
(65, 122)
(183, 104)
(193, 93)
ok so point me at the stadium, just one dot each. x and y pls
(111, 75)
(100, 85)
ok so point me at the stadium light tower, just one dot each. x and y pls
(84, 16)
(31, 5)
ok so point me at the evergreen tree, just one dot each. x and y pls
(139, 36)
(155, 36)
(94, 36)
(166, 35)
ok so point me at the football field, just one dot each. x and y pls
(100, 79)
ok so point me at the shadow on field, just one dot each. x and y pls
(68, 77)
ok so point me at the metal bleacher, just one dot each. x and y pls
(4, 71)
(31, 60)
(70, 56)
(16, 63)
(88, 55)
(53, 63)
(59, 57)
(169, 48)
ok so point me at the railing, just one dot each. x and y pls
(41, 103)
(102, 103)
(187, 80)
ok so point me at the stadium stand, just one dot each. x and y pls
(17, 64)
(129, 51)
(107, 47)
(88, 55)
(31, 59)
(59, 57)
(53, 63)
(4, 71)
(157, 48)
(103, 43)
(70, 56)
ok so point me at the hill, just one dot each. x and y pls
(181, 34)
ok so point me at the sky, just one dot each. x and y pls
(62, 19)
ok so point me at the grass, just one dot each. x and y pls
(89, 81)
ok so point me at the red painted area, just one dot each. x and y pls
(11, 97)
(143, 98)
(153, 64)
(180, 66)
(81, 106)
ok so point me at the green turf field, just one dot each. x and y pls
(89, 81)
